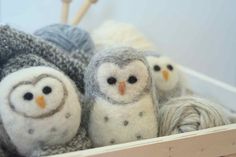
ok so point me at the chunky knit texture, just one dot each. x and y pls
(14, 43)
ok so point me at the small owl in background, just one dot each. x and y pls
(38, 106)
(119, 88)
(167, 77)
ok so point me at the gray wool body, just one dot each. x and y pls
(14, 43)
(70, 39)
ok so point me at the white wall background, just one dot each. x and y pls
(200, 34)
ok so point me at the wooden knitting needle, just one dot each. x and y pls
(65, 10)
(81, 12)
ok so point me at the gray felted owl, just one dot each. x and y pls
(71, 39)
(167, 77)
(14, 43)
(119, 87)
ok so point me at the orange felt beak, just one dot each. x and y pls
(121, 88)
(41, 102)
(165, 75)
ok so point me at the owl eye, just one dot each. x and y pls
(132, 79)
(170, 67)
(28, 96)
(157, 68)
(47, 90)
(111, 80)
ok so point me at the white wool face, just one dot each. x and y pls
(39, 105)
(49, 89)
(133, 76)
(165, 73)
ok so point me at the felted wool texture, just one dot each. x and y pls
(79, 142)
(14, 43)
(187, 114)
(116, 118)
(176, 83)
(27, 123)
(72, 40)
(113, 33)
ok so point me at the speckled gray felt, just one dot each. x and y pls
(14, 43)
(69, 38)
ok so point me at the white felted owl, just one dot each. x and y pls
(167, 77)
(38, 106)
(119, 87)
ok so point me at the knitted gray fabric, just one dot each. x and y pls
(23, 61)
(69, 38)
(79, 142)
(14, 43)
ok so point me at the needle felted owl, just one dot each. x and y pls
(119, 87)
(38, 106)
(167, 77)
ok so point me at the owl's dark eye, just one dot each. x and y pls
(28, 96)
(47, 90)
(157, 68)
(111, 80)
(132, 79)
(170, 67)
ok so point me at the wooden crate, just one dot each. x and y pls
(213, 142)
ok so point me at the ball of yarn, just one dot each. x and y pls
(187, 114)
(112, 33)
(68, 38)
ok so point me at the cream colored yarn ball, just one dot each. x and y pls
(187, 114)
(114, 33)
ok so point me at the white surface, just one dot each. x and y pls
(200, 34)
